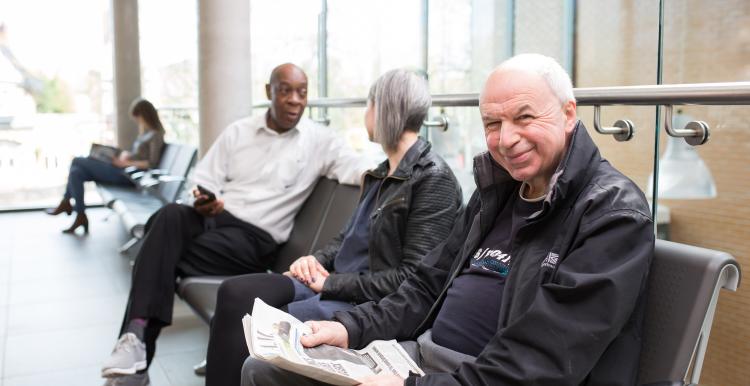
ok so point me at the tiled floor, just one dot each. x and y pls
(61, 303)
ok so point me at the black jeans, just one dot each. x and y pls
(181, 242)
(227, 349)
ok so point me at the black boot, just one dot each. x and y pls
(64, 206)
(81, 219)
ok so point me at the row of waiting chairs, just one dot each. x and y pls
(151, 190)
(684, 281)
(684, 286)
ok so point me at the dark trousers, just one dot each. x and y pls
(227, 349)
(181, 242)
(88, 169)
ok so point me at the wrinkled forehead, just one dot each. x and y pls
(507, 91)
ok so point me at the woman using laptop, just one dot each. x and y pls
(106, 165)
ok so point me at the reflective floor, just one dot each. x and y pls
(61, 304)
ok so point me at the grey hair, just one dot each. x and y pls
(547, 68)
(401, 99)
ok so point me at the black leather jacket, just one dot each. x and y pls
(414, 211)
(572, 308)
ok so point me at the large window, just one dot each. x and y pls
(55, 94)
(169, 64)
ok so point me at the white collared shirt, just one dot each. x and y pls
(264, 177)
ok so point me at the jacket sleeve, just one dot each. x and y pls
(572, 318)
(400, 314)
(435, 202)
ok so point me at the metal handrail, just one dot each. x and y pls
(695, 133)
(731, 93)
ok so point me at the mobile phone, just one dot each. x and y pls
(209, 194)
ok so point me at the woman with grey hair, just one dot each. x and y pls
(407, 206)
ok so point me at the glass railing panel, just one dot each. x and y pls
(617, 45)
(706, 41)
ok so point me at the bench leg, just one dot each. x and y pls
(125, 248)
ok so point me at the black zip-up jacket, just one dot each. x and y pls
(415, 209)
(572, 308)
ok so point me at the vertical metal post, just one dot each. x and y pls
(510, 29)
(323, 56)
(569, 36)
(425, 32)
(657, 127)
(425, 54)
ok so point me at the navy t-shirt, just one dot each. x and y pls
(469, 316)
(354, 250)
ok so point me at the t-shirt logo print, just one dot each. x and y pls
(550, 261)
(493, 260)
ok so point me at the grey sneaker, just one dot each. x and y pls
(128, 356)
(129, 380)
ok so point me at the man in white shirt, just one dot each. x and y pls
(260, 169)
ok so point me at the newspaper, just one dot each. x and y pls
(274, 336)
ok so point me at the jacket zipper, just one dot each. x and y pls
(377, 211)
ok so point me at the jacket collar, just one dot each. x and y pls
(581, 158)
(413, 157)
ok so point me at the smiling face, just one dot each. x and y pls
(525, 125)
(288, 95)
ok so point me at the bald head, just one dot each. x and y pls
(284, 71)
(542, 66)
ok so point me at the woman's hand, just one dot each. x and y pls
(119, 162)
(308, 270)
(317, 283)
(122, 160)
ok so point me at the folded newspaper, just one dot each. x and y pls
(274, 336)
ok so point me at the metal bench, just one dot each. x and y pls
(684, 286)
(321, 217)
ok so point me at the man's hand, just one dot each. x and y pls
(209, 209)
(324, 332)
(382, 380)
(308, 269)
